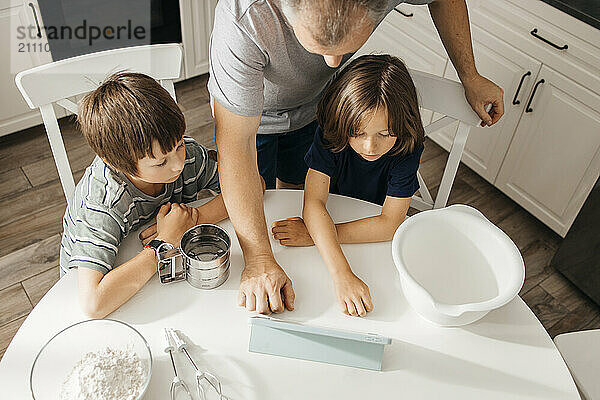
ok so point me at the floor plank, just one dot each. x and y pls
(205, 135)
(13, 181)
(192, 92)
(495, 205)
(537, 257)
(562, 289)
(523, 229)
(548, 310)
(461, 192)
(586, 316)
(31, 145)
(44, 171)
(593, 324)
(431, 150)
(14, 303)
(198, 116)
(31, 229)
(431, 171)
(31, 201)
(29, 261)
(475, 181)
(38, 285)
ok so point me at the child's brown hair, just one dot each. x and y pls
(366, 84)
(124, 115)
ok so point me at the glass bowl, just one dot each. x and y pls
(58, 357)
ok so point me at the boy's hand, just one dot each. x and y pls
(292, 232)
(173, 220)
(148, 234)
(353, 295)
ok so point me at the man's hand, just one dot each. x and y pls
(263, 282)
(264, 287)
(353, 294)
(292, 232)
(451, 18)
(481, 92)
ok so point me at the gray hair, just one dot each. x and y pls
(332, 18)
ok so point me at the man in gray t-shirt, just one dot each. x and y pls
(269, 63)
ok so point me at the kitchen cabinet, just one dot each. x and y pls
(17, 52)
(196, 24)
(554, 158)
(548, 159)
(515, 72)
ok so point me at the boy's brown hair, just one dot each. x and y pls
(366, 84)
(124, 115)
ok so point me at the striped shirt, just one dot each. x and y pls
(106, 207)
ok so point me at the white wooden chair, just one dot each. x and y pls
(446, 97)
(581, 352)
(56, 82)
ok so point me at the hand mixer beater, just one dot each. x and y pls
(177, 382)
(181, 345)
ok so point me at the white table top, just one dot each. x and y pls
(505, 355)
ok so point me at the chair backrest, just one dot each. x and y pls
(443, 96)
(59, 80)
(54, 83)
(446, 97)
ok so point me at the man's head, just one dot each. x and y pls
(333, 28)
(135, 126)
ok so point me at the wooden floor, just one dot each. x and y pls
(32, 205)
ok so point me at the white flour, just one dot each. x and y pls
(108, 374)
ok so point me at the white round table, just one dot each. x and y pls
(505, 355)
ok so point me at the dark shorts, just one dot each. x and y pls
(281, 155)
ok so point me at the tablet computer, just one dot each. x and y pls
(298, 340)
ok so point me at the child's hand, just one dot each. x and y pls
(148, 234)
(173, 220)
(291, 232)
(353, 295)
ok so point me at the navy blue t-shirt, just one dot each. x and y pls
(353, 176)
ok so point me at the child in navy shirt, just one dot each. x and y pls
(368, 146)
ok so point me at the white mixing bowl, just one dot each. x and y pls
(455, 265)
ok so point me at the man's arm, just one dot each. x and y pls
(263, 281)
(451, 19)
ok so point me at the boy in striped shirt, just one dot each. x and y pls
(145, 169)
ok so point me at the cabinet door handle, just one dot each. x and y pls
(403, 13)
(39, 31)
(543, 39)
(515, 101)
(528, 109)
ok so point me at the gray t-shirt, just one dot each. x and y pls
(106, 207)
(258, 67)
